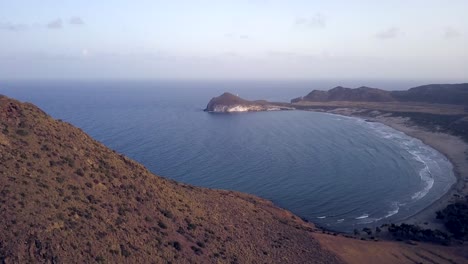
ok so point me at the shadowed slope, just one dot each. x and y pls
(228, 102)
(361, 94)
(435, 93)
(456, 94)
(67, 198)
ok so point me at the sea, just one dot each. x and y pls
(339, 172)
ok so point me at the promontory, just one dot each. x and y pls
(228, 103)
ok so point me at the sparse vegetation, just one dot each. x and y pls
(413, 232)
(22, 132)
(455, 218)
(176, 245)
(79, 172)
(162, 225)
(196, 250)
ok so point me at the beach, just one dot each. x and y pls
(453, 147)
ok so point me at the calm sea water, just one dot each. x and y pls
(342, 173)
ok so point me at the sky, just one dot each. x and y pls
(239, 39)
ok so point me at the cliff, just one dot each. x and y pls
(228, 103)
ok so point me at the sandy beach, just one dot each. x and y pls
(454, 148)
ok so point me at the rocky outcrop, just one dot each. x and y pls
(229, 103)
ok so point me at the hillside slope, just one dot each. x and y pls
(455, 94)
(361, 94)
(435, 93)
(67, 198)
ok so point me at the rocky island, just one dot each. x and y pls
(229, 103)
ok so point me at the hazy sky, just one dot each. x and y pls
(239, 39)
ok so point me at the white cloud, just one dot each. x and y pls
(55, 24)
(390, 33)
(450, 33)
(76, 21)
(13, 27)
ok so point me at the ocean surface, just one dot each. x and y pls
(339, 172)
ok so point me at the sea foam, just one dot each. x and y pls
(423, 154)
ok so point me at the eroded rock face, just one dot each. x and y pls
(229, 103)
(236, 108)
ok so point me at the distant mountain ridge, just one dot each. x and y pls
(449, 94)
(432, 93)
(340, 93)
(435, 93)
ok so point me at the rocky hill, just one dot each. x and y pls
(228, 103)
(361, 94)
(434, 93)
(66, 198)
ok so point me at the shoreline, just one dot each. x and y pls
(452, 147)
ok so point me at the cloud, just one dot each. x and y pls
(390, 33)
(237, 36)
(56, 24)
(76, 21)
(450, 33)
(85, 52)
(315, 21)
(13, 27)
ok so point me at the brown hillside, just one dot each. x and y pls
(66, 198)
